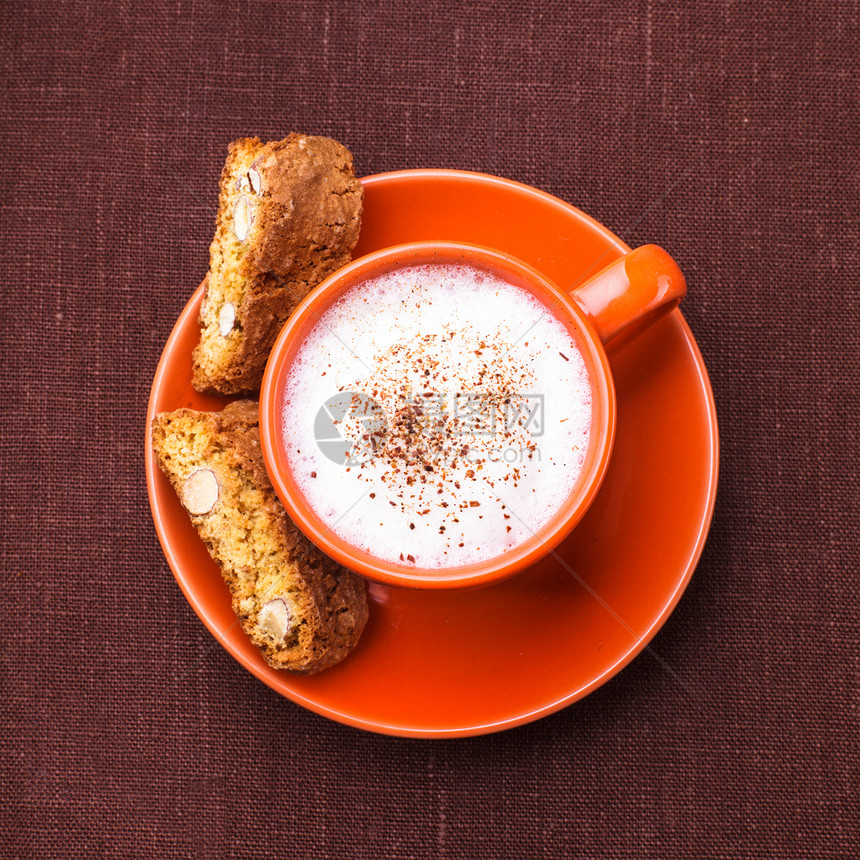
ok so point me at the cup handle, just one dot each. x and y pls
(631, 294)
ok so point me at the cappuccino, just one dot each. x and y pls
(437, 416)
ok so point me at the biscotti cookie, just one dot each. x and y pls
(303, 610)
(289, 214)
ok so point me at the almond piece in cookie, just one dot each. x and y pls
(199, 491)
(274, 619)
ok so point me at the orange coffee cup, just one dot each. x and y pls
(610, 308)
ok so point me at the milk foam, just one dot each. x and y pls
(465, 407)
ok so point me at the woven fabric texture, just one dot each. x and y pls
(727, 132)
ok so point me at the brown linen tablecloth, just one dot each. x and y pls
(725, 131)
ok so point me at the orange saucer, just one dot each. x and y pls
(447, 664)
